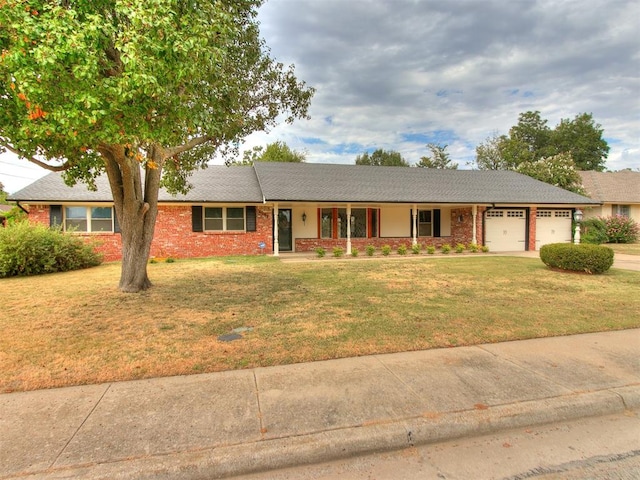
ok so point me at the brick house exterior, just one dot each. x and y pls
(231, 210)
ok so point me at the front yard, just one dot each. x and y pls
(76, 327)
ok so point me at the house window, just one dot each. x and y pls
(88, 219)
(425, 223)
(219, 219)
(326, 223)
(358, 221)
(624, 210)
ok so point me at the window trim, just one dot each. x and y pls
(88, 219)
(225, 218)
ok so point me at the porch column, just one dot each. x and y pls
(348, 229)
(474, 214)
(276, 244)
(414, 218)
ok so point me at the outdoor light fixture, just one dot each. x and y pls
(577, 217)
(304, 217)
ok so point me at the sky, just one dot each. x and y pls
(398, 74)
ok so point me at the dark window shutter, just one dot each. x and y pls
(436, 222)
(196, 218)
(251, 219)
(116, 225)
(55, 215)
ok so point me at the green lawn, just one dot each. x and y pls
(76, 327)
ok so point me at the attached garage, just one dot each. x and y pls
(553, 226)
(506, 230)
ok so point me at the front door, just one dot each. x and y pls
(284, 230)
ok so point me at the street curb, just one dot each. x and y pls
(431, 427)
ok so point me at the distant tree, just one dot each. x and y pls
(559, 170)
(582, 137)
(3, 194)
(532, 140)
(490, 156)
(382, 158)
(274, 152)
(439, 158)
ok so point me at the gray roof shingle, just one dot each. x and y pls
(612, 187)
(361, 183)
(312, 182)
(237, 184)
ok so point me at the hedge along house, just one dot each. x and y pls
(297, 207)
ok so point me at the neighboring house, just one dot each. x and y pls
(231, 210)
(618, 192)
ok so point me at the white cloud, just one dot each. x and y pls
(395, 74)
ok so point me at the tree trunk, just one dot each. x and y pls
(137, 235)
(135, 200)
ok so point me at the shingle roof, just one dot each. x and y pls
(314, 182)
(612, 187)
(213, 184)
(360, 183)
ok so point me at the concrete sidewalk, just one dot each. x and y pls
(222, 424)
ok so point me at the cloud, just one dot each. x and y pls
(392, 74)
(398, 74)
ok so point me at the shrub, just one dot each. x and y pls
(354, 251)
(460, 247)
(370, 250)
(431, 249)
(415, 249)
(27, 249)
(484, 248)
(386, 250)
(594, 231)
(402, 250)
(338, 252)
(474, 248)
(620, 229)
(446, 248)
(321, 252)
(577, 258)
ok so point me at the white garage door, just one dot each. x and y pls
(553, 226)
(505, 230)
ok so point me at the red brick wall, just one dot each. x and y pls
(532, 228)
(173, 236)
(108, 244)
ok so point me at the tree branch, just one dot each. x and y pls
(194, 142)
(53, 168)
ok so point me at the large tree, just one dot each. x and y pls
(144, 90)
(382, 158)
(582, 138)
(439, 158)
(277, 151)
(531, 140)
(559, 170)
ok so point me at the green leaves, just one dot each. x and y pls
(141, 72)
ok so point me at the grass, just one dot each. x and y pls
(626, 248)
(77, 328)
